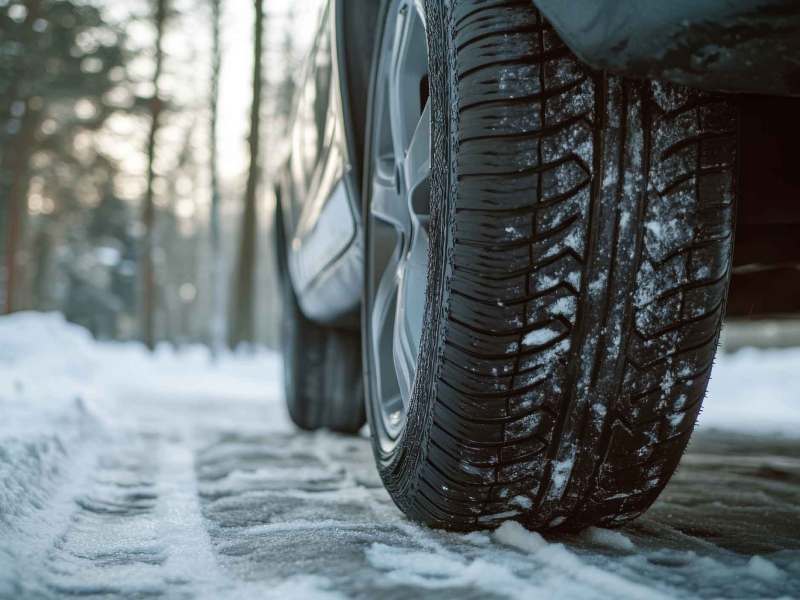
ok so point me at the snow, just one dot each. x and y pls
(609, 539)
(515, 535)
(540, 337)
(67, 404)
(557, 556)
(562, 470)
(764, 569)
(755, 391)
(565, 307)
(522, 501)
(125, 474)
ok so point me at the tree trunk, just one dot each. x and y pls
(17, 202)
(243, 317)
(14, 165)
(217, 333)
(148, 217)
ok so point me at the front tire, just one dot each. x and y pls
(579, 231)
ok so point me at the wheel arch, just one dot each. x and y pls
(355, 28)
(279, 238)
(720, 45)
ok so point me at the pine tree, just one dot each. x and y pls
(149, 212)
(217, 321)
(243, 316)
(38, 114)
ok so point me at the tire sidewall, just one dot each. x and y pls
(400, 465)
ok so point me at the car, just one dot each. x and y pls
(505, 232)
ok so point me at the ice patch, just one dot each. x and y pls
(522, 501)
(562, 470)
(655, 228)
(598, 285)
(608, 538)
(514, 233)
(501, 516)
(540, 337)
(557, 521)
(574, 279)
(667, 382)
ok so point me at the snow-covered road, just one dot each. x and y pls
(129, 476)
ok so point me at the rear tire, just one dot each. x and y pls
(581, 232)
(322, 365)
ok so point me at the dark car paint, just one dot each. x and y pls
(766, 274)
(649, 38)
(725, 45)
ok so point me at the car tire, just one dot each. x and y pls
(581, 233)
(322, 365)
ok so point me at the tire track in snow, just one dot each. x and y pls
(111, 545)
(136, 530)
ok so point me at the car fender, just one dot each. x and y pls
(725, 45)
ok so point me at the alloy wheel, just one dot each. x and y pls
(398, 214)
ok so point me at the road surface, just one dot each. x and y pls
(169, 477)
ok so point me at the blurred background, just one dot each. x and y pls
(137, 143)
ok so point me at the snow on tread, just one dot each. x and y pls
(597, 206)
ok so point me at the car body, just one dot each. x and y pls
(746, 47)
(319, 186)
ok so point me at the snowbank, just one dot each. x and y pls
(60, 391)
(46, 383)
(755, 391)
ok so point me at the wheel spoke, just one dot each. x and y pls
(383, 338)
(408, 68)
(396, 113)
(419, 7)
(417, 163)
(402, 349)
(410, 312)
(384, 301)
(388, 204)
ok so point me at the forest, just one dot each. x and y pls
(137, 143)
